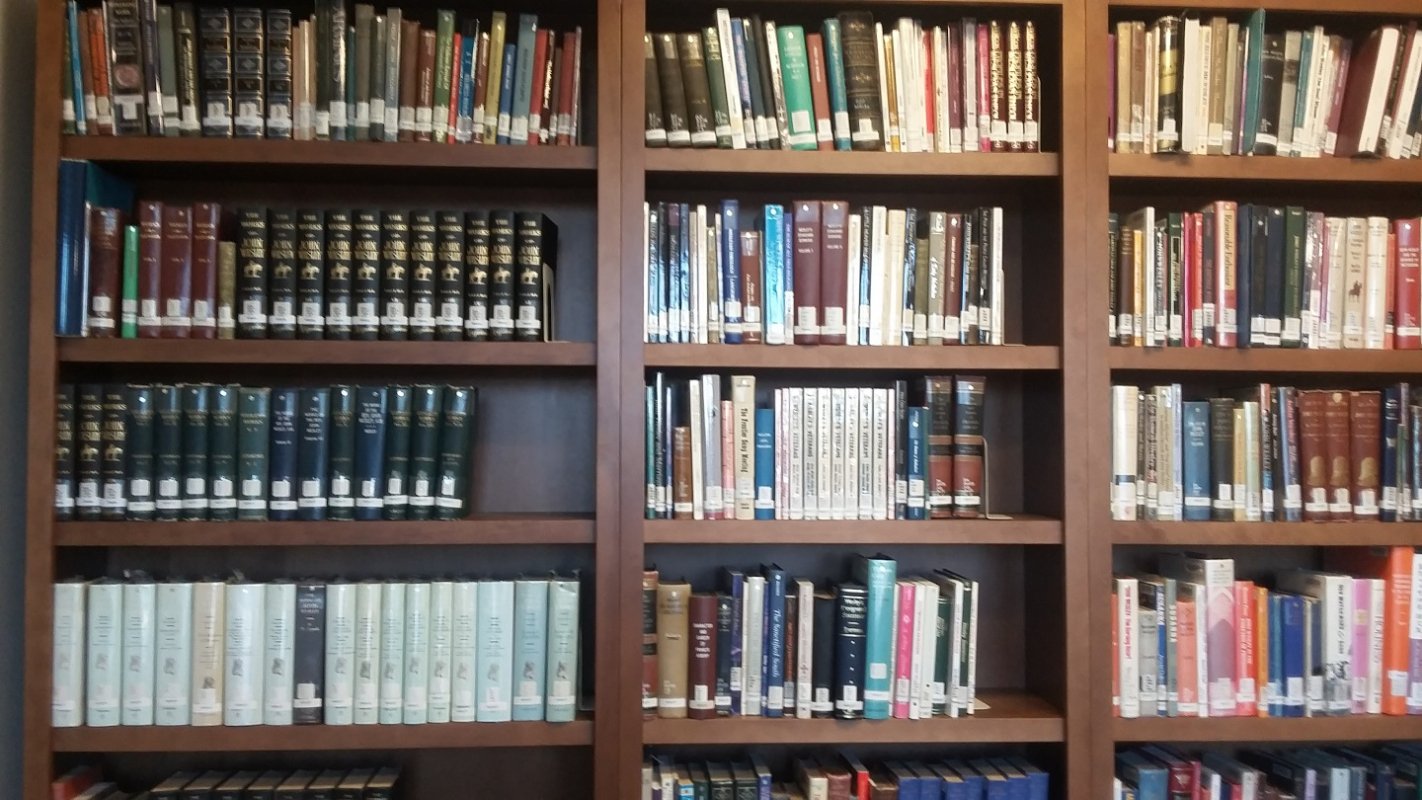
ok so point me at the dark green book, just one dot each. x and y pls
(222, 452)
(196, 408)
(252, 273)
(449, 277)
(340, 490)
(501, 276)
(313, 436)
(89, 502)
(253, 439)
(310, 273)
(455, 439)
(113, 443)
(476, 276)
(337, 291)
(428, 404)
(1295, 223)
(281, 455)
(281, 264)
(397, 452)
(1175, 251)
(139, 470)
(537, 243)
(715, 72)
(394, 280)
(423, 233)
(167, 452)
(369, 463)
(365, 277)
(64, 425)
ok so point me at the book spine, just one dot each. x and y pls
(562, 683)
(851, 607)
(103, 651)
(415, 669)
(278, 682)
(365, 264)
(282, 274)
(441, 651)
(496, 623)
(339, 481)
(196, 409)
(391, 674)
(536, 243)
(222, 453)
(449, 279)
(313, 453)
(208, 669)
(252, 278)
(337, 291)
(502, 264)
(138, 631)
(282, 455)
(253, 443)
(215, 67)
(175, 282)
(368, 470)
(365, 663)
(455, 442)
(310, 274)
(249, 90)
(427, 404)
(464, 631)
(397, 452)
(309, 652)
(969, 495)
(243, 653)
(172, 648)
(394, 280)
(139, 432)
(279, 74)
(65, 452)
(113, 440)
(167, 453)
(128, 304)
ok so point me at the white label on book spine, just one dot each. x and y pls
(104, 632)
(67, 663)
(242, 675)
(278, 680)
(139, 601)
(340, 653)
(493, 679)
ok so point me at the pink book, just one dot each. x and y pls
(1190, 278)
(1187, 663)
(903, 650)
(953, 33)
(728, 453)
(1216, 575)
(1245, 696)
(1362, 638)
(984, 90)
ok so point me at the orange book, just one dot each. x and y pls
(819, 91)
(1261, 651)
(1187, 658)
(1245, 662)
(1393, 565)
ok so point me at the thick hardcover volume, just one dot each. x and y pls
(279, 74)
(279, 618)
(394, 279)
(877, 574)
(1196, 460)
(700, 120)
(1365, 418)
(282, 254)
(476, 276)
(222, 452)
(310, 273)
(456, 434)
(656, 132)
(494, 686)
(851, 635)
(1313, 454)
(426, 405)
(673, 643)
(562, 661)
(172, 648)
(834, 279)
(821, 656)
(725, 622)
(1221, 459)
(65, 452)
(253, 443)
(365, 280)
(185, 38)
(252, 273)
(337, 291)
(195, 417)
(422, 275)
(208, 620)
(397, 452)
(1337, 444)
(807, 271)
(969, 446)
(103, 667)
(105, 270)
(215, 67)
(139, 469)
(338, 680)
(702, 702)
(449, 276)
(126, 67)
(67, 704)
(167, 452)
(150, 269)
(309, 652)
(1408, 285)
(502, 264)
(392, 653)
(340, 475)
(113, 441)
(244, 647)
(312, 450)
(175, 283)
(206, 221)
(861, 77)
(537, 243)
(282, 455)
(530, 648)
(369, 463)
(938, 397)
(249, 90)
(673, 90)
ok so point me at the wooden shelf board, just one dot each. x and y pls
(1021, 530)
(1014, 717)
(493, 529)
(1312, 6)
(1265, 168)
(1262, 359)
(1254, 729)
(263, 738)
(852, 164)
(1278, 534)
(682, 4)
(761, 356)
(296, 352)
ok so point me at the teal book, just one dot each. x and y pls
(496, 621)
(194, 458)
(1301, 103)
(530, 647)
(253, 421)
(222, 453)
(1253, 62)
(834, 77)
(139, 470)
(561, 685)
(877, 573)
(340, 480)
(397, 452)
(523, 78)
(795, 82)
(456, 433)
(428, 405)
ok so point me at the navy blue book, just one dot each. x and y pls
(734, 583)
(340, 483)
(683, 273)
(1196, 458)
(195, 451)
(281, 456)
(1244, 272)
(1295, 702)
(731, 271)
(900, 412)
(82, 186)
(917, 467)
(765, 463)
(506, 92)
(369, 469)
(1276, 686)
(822, 659)
(397, 452)
(222, 452)
(851, 610)
(725, 621)
(312, 443)
(1391, 416)
(1286, 449)
(773, 680)
(1274, 241)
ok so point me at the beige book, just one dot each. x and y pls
(1220, 53)
(1124, 133)
(673, 642)
(743, 443)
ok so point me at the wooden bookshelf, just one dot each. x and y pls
(1266, 360)
(1267, 534)
(853, 165)
(316, 738)
(1016, 530)
(491, 529)
(1227, 730)
(804, 357)
(299, 352)
(1322, 7)
(1244, 169)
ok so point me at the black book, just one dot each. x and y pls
(656, 131)
(822, 659)
(1244, 275)
(309, 652)
(901, 450)
(1175, 274)
(281, 288)
(1271, 89)
(340, 489)
(365, 282)
(476, 276)
(196, 412)
(323, 786)
(1171, 59)
(234, 787)
(140, 452)
(113, 440)
(338, 274)
(222, 452)
(252, 273)
(394, 280)
(248, 73)
(310, 273)
(673, 90)
(64, 452)
(502, 264)
(861, 79)
(88, 469)
(851, 630)
(1259, 276)
(968, 290)
(167, 452)
(352, 786)
(281, 455)
(449, 277)
(313, 435)
(757, 100)
(397, 451)
(369, 466)
(215, 67)
(456, 435)
(725, 627)
(984, 254)
(537, 243)
(756, 34)
(293, 787)
(203, 786)
(265, 786)
(1221, 459)
(1274, 246)
(279, 76)
(422, 275)
(427, 403)
(253, 444)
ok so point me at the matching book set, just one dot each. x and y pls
(1195, 641)
(137, 652)
(1241, 275)
(1266, 454)
(855, 84)
(845, 777)
(200, 451)
(364, 783)
(829, 453)
(822, 272)
(138, 67)
(1156, 772)
(878, 646)
(1216, 87)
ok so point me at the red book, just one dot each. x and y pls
(176, 287)
(150, 268)
(1196, 227)
(807, 272)
(535, 101)
(938, 397)
(1359, 123)
(1244, 666)
(1408, 293)
(457, 48)
(1313, 454)
(929, 95)
(701, 704)
(819, 93)
(1365, 412)
(834, 271)
(568, 98)
(73, 783)
(105, 270)
(545, 100)
(984, 132)
(1340, 85)
(1337, 442)
(752, 325)
(207, 217)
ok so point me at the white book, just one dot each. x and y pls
(712, 236)
(881, 479)
(1375, 286)
(172, 653)
(392, 652)
(441, 650)
(1189, 77)
(339, 676)
(366, 685)
(244, 654)
(1124, 438)
(898, 489)
(781, 452)
(864, 422)
(712, 505)
(1378, 590)
(1335, 596)
(696, 279)
(743, 440)
(530, 650)
(698, 493)
(494, 678)
(753, 643)
(68, 663)
(1320, 84)
(416, 707)
(915, 709)
(874, 304)
(972, 622)
(104, 654)
(893, 321)
(947, 139)
(136, 683)
(1372, 136)
(1127, 640)
(885, 100)
(562, 681)
(930, 691)
(279, 652)
(1335, 268)
(908, 77)
(209, 618)
(810, 425)
(728, 66)
(854, 233)
(777, 120)
(464, 621)
(824, 458)
(804, 648)
(850, 419)
(999, 279)
(1414, 635)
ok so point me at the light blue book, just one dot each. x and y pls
(762, 777)
(523, 80)
(76, 69)
(731, 271)
(656, 330)
(765, 463)
(495, 662)
(1196, 424)
(865, 268)
(772, 259)
(417, 654)
(506, 94)
(838, 98)
(562, 680)
(878, 574)
(530, 648)
(464, 123)
(787, 268)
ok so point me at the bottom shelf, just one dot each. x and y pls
(1357, 728)
(1010, 717)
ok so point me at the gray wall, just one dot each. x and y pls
(17, 34)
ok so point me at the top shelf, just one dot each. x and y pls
(1265, 168)
(851, 164)
(1311, 6)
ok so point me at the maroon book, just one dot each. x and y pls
(207, 218)
(1313, 453)
(1338, 442)
(105, 270)
(752, 318)
(150, 269)
(807, 272)
(176, 288)
(834, 268)
(1365, 413)
(702, 701)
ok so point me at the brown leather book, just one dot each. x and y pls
(649, 643)
(1365, 413)
(807, 271)
(753, 322)
(1313, 454)
(682, 507)
(882, 787)
(953, 281)
(1014, 87)
(861, 80)
(150, 269)
(226, 290)
(834, 271)
(673, 634)
(997, 87)
(702, 702)
(1031, 91)
(105, 270)
(699, 116)
(1337, 439)
(969, 447)
(207, 218)
(177, 272)
(837, 776)
(409, 81)
(674, 111)
(819, 91)
(481, 80)
(424, 87)
(938, 398)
